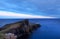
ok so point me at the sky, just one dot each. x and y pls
(30, 8)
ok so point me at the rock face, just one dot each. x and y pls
(20, 28)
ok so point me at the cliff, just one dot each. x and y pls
(19, 28)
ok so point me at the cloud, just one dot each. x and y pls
(47, 7)
(6, 14)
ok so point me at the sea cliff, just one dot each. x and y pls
(19, 28)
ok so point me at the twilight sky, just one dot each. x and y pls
(32, 8)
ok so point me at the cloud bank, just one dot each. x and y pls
(6, 14)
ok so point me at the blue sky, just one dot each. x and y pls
(48, 8)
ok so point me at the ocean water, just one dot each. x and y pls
(50, 28)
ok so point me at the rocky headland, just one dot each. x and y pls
(20, 28)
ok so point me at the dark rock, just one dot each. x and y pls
(0, 29)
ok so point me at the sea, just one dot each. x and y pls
(50, 28)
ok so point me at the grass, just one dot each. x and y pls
(1, 35)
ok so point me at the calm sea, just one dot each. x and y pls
(50, 28)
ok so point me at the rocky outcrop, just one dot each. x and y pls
(19, 28)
